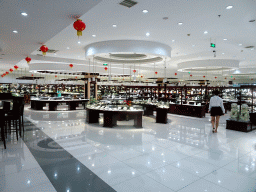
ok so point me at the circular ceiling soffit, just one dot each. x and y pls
(208, 65)
(128, 51)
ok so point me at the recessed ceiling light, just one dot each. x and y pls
(114, 25)
(193, 45)
(147, 34)
(15, 31)
(145, 11)
(229, 7)
(240, 44)
(180, 23)
(252, 49)
(205, 32)
(225, 39)
(94, 35)
(78, 42)
(173, 40)
(24, 14)
(68, 48)
(223, 53)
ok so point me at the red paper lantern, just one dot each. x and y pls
(141, 76)
(2, 75)
(6, 72)
(55, 75)
(76, 77)
(28, 59)
(175, 74)
(215, 77)
(32, 75)
(252, 79)
(190, 75)
(134, 71)
(106, 68)
(16, 67)
(71, 65)
(79, 25)
(203, 76)
(234, 78)
(44, 49)
(225, 77)
(156, 72)
(11, 70)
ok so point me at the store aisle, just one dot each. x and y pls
(183, 155)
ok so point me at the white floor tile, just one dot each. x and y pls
(232, 181)
(125, 154)
(203, 186)
(141, 184)
(172, 177)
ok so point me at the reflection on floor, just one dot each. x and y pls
(183, 155)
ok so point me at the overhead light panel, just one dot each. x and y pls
(225, 39)
(180, 23)
(79, 42)
(15, 31)
(147, 34)
(229, 7)
(205, 32)
(145, 11)
(114, 26)
(24, 14)
(94, 35)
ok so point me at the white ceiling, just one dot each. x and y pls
(50, 22)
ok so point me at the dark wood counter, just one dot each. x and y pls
(111, 117)
(161, 115)
(190, 110)
(72, 104)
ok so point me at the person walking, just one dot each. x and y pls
(216, 109)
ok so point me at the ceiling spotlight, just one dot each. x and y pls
(114, 25)
(180, 23)
(147, 34)
(240, 44)
(193, 45)
(79, 42)
(24, 14)
(223, 53)
(225, 39)
(173, 40)
(145, 11)
(68, 48)
(94, 35)
(15, 31)
(205, 32)
(229, 7)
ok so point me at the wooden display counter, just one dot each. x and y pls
(190, 110)
(240, 125)
(72, 104)
(161, 115)
(112, 116)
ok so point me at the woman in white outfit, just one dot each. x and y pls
(216, 109)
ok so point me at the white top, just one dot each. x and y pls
(216, 101)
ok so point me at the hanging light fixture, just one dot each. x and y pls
(44, 49)
(28, 59)
(79, 25)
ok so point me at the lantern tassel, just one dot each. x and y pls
(79, 33)
(44, 53)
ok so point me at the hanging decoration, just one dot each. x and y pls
(234, 78)
(134, 71)
(215, 77)
(79, 25)
(71, 65)
(156, 72)
(16, 67)
(32, 75)
(190, 75)
(105, 68)
(252, 79)
(6, 72)
(203, 76)
(141, 76)
(76, 77)
(175, 74)
(225, 77)
(44, 49)
(11, 70)
(2, 75)
(55, 75)
(28, 59)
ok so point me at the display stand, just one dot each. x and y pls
(161, 115)
(240, 125)
(190, 110)
(148, 109)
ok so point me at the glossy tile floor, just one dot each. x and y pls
(60, 152)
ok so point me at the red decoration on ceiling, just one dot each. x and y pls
(225, 77)
(203, 76)
(215, 77)
(190, 75)
(106, 68)
(175, 73)
(11, 70)
(2, 75)
(134, 71)
(16, 67)
(6, 72)
(55, 75)
(32, 75)
(234, 78)
(141, 76)
(79, 25)
(71, 65)
(28, 59)
(156, 72)
(252, 79)
(76, 77)
(44, 49)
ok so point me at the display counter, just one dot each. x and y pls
(111, 116)
(190, 110)
(38, 104)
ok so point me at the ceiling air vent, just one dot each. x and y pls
(50, 51)
(249, 47)
(128, 3)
